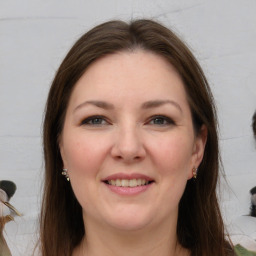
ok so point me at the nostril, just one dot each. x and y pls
(128, 157)
(118, 157)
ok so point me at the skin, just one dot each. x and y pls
(129, 91)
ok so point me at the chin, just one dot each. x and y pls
(126, 221)
(129, 226)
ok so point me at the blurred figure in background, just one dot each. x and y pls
(254, 124)
(7, 212)
(253, 201)
(253, 190)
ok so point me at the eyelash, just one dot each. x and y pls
(165, 121)
(89, 120)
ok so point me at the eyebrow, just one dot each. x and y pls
(158, 103)
(97, 103)
(145, 105)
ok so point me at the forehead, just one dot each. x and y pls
(132, 75)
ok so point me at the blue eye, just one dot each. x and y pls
(94, 120)
(161, 120)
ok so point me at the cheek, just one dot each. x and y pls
(84, 154)
(173, 156)
(84, 158)
(172, 159)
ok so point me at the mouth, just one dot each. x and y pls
(128, 184)
(131, 183)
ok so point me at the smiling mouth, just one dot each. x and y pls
(128, 183)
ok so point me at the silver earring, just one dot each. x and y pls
(194, 170)
(65, 173)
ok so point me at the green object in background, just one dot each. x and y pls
(241, 251)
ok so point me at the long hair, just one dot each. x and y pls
(200, 226)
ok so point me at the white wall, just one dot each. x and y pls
(36, 34)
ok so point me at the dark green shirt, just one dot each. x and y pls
(241, 251)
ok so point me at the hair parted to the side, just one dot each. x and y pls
(200, 226)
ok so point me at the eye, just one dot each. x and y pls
(94, 121)
(160, 120)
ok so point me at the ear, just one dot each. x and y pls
(198, 149)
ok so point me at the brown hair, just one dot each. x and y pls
(200, 227)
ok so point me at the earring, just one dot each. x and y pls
(65, 173)
(194, 170)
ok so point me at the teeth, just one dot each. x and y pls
(118, 183)
(128, 183)
(132, 183)
(125, 183)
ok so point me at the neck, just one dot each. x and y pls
(105, 241)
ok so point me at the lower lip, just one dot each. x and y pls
(129, 191)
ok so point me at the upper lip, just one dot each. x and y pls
(125, 176)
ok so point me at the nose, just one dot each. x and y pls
(128, 146)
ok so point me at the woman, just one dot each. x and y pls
(130, 122)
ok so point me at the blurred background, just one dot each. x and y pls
(35, 35)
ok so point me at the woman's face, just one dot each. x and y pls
(128, 141)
